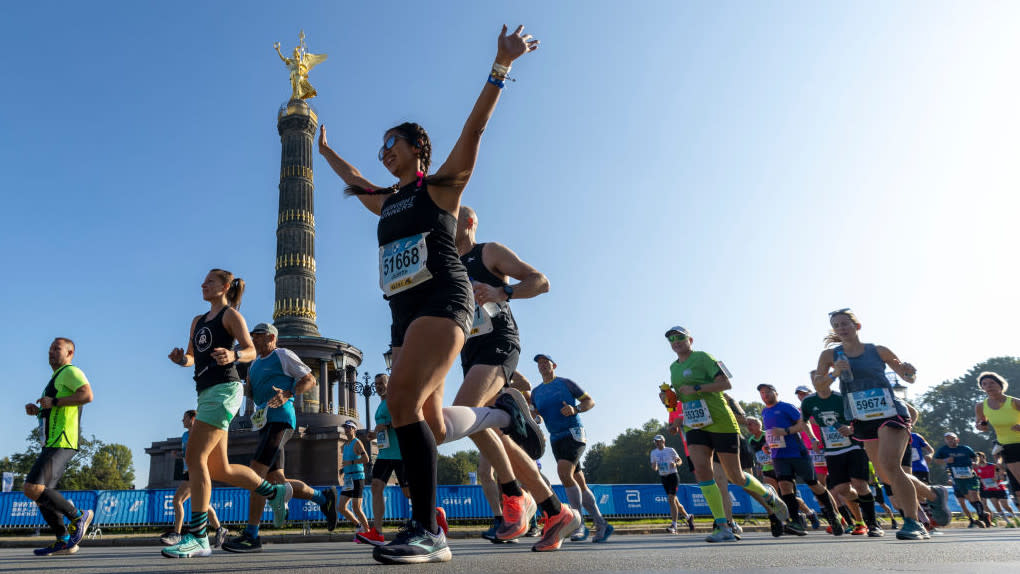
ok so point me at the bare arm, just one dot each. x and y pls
(350, 175)
(980, 421)
(505, 263)
(822, 381)
(179, 355)
(234, 323)
(905, 370)
(81, 396)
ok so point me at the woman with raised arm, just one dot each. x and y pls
(211, 353)
(879, 419)
(430, 296)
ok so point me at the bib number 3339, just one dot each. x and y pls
(402, 264)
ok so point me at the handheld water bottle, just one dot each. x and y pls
(847, 375)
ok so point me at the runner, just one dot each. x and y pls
(959, 460)
(879, 419)
(489, 360)
(699, 381)
(783, 423)
(275, 377)
(58, 412)
(879, 490)
(210, 341)
(844, 456)
(993, 493)
(1011, 484)
(664, 459)
(183, 493)
(920, 457)
(812, 440)
(430, 297)
(355, 457)
(387, 464)
(559, 401)
(1001, 412)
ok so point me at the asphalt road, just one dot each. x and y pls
(959, 550)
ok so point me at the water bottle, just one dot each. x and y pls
(847, 375)
(491, 307)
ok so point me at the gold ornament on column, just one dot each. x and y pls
(299, 66)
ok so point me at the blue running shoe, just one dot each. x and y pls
(603, 534)
(580, 535)
(414, 545)
(279, 503)
(189, 547)
(912, 530)
(57, 548)
(80, 527)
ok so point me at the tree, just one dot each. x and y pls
(454, 469)
(752, 408)
(96, 465)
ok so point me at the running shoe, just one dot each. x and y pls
(79, 527)
(490, 534)
(580, 535)
(57, 548)
(441, 520)
(859, 530)
(217, 539)
(557, 527)
(894, 525)
(721, 533)
(775, 525)
(190, 546)
(170, 538)
(815, 523)
(372, 537)
(875, 531)
(835, 523)
(795, 527)
(517, 513)
(279, 503)
(243, 544)
(523, 429)
(986, 518)
(775, 505)
(602, 534)
(690, 522)
(414, 544)
(847, 529)
(735, 528)
(911, 530)
(357, 531)
(671, 529)
(328, 508)
(938, 509)
(533, 531)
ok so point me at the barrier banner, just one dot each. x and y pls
(122, 507)
(463, 501)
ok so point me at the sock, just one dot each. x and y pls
(844, 511)
(512, 488)
(551, 506)
(574, 496)
(199, 521)
(588, 500)
(418, 447)
(57, 503)
(753, 486)
(65, 538)
(266, 489)
(466, 421)
(980, 508)
(252, 530)
(710, 490)
(867, 504)
(318, 497)
(791, 503)
(826, 503)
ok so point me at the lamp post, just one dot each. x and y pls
(898, 388)
(388, 357)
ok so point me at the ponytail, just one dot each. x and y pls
(235, 286)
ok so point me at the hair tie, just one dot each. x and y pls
(421, 176)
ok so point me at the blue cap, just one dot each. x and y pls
(544, 356)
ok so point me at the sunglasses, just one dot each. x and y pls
(842, 311)
(675, 338)
(389, 143)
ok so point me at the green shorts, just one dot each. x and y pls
(218, 404)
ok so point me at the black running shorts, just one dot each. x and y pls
(568, 449)
(384, 468)
(843, 467)
(453, 300)
(719, 442)
(270, 450)
(670, 482)
(493, 351)
(50, 466)
(355, 492)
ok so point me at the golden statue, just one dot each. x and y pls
(299, 66)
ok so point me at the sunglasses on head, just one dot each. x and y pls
(676, 337)
(842, 311)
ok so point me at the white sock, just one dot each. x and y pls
(466, 421)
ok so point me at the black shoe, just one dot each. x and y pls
(413, 545)
(776, 525)
(329, 508)
(795, 527)
(834, 522)
(523, 429)
(987, 519)
(243, 544)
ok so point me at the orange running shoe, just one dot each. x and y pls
(372, 537)
(558, 527)
(441, 520)
(517, 513)
(859, 530)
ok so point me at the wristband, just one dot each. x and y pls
(500, 71)
(697, 388)
(832, 377)
(55, 405)
(499, 83)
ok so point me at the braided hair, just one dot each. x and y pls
(419, 138)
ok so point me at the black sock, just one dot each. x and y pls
(54, 501)
(844, 511)
(980, 508)
(418, 447)
(791, 504)
(199, 522)
(512, 488)
(903, 516)
(867, 504)
(551, 506)
(55, 520)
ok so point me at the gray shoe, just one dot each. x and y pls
(523, 429)
(170, 538)
(721, 533)
(216, 540)
(939, 508)
(775, 505)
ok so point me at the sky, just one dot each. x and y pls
(737, 168)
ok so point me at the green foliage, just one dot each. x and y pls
(626, 461)
(752, 408)
(96, 466)
(454, 469)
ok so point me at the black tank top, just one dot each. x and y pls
(411, 211)
(503, 324)
(210, 335)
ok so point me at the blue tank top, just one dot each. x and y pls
(869, 373)
(353, 471)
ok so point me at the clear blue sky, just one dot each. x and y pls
(737, 168)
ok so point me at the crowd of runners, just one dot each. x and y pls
(450, 296)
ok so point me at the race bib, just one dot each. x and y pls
(696, 414)
(402, 264)
(762, 457)
(348, 482)
(578, 434)
(872, 404)
(382, 440)
(818, 458)
(665, 468)
(832, 438)
(962, 472)
(258, 418)
(989, 483)
(775, 441)
(482, 323)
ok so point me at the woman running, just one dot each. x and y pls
(210, 345)
(879, 419)
(1001, 412)
(430, 297)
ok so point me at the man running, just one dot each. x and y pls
(275, 377)
(559, 401)
(920, 457)
(959, 460)
(183, 493)
(664, 459)
(387, 464)
(58, 411)
(783, 422)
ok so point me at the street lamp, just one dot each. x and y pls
(898, 388)
(388, 357)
